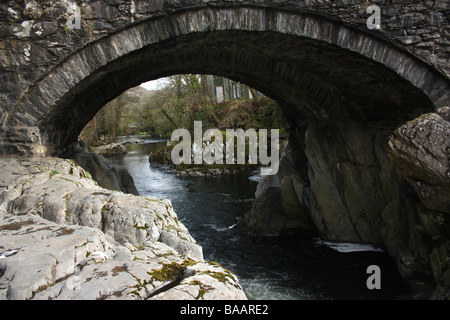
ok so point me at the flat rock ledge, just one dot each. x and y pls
(64, 237)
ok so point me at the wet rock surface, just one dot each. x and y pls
(64, 237)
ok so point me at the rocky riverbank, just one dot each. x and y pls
(163, 156)
(62, 236)
(388, 188)
(210, 171)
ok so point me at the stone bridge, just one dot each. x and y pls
(343, 89)
(310, 55)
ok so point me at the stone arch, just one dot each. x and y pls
(311, 65)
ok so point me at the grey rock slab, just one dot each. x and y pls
(64, 237)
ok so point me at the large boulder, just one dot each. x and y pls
(111, 150)
(417, 229)
(421, 151)
(278, 205)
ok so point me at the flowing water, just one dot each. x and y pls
(282, 268)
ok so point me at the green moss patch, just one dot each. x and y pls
(171, 271)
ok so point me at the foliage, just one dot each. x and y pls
(187, 98)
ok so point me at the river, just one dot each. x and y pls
(281, 268)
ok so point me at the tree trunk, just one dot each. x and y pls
(255, 97)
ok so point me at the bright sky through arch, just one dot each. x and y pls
(155, 84)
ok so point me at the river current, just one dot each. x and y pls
(281, 268)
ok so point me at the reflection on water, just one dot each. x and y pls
(283, 268)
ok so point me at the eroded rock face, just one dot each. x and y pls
(359, 183)
(330, 181)
(107, 175)
(346, 188)
(279, 206)
(420, 150)
(64, 237)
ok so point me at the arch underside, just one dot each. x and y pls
(312, 77)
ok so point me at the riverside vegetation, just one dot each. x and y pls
(184, 100)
